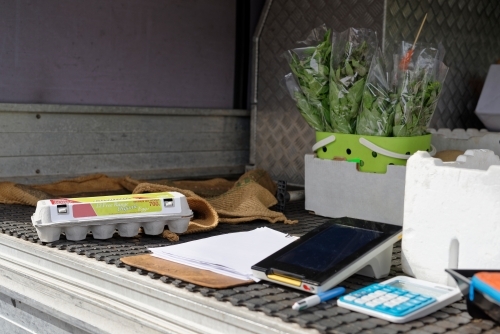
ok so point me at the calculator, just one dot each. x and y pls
(400, 299)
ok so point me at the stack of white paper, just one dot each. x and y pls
(230, 254)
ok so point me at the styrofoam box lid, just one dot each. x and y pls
(488, 106)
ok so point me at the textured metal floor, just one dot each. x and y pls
(271, 299)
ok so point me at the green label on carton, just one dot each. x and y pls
(122, 207)
(120, 197)
(115, 205)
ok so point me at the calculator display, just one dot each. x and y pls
(329, 247)
(415, 288)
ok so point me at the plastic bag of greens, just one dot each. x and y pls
(352, 52)
(376, 117)
(312, 112)
(419, 87)
(310, 66)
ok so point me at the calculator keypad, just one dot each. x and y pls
(389, 300)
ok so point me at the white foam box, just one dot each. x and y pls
(337, 189)
(103, 215)
(488, 106)
(451, 215)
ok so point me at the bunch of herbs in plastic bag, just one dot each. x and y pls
(312, 112)
(376, 117)
(310, 66)
(419, 87)
(352, 52)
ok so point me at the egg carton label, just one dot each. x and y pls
(78, 208)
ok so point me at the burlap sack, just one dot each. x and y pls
(13, 193)
(202, 188)
(212, 201)
(249, 199)
(205, 218)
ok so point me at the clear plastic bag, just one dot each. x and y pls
(310, 66)
(313, 112)
(419, 87)
(376, 116)
(352, 52)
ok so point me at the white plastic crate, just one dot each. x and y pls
(451, 215)
(336, 189)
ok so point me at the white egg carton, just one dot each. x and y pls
(103, 215)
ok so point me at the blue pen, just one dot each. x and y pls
(316, 299)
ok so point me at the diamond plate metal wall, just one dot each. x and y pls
(468, 29)
(282, 136)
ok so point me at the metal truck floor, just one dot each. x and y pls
(270, 299)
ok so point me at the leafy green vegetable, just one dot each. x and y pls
(376, 116)
(311, 68)
(312, 114)
(347, 80)
(377, 113)
(417, 102)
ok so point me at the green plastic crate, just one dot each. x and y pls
(372, 153)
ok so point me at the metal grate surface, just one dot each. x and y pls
(271, 299)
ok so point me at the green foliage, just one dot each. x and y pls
(377, 112)
(347, 81)
(337, 87)
(417, 102)
(311, 113)
(312, 71)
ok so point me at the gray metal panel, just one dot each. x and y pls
(469, 31)
(57, 143)
(45, 143)
(16, 317)
(283, 137)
